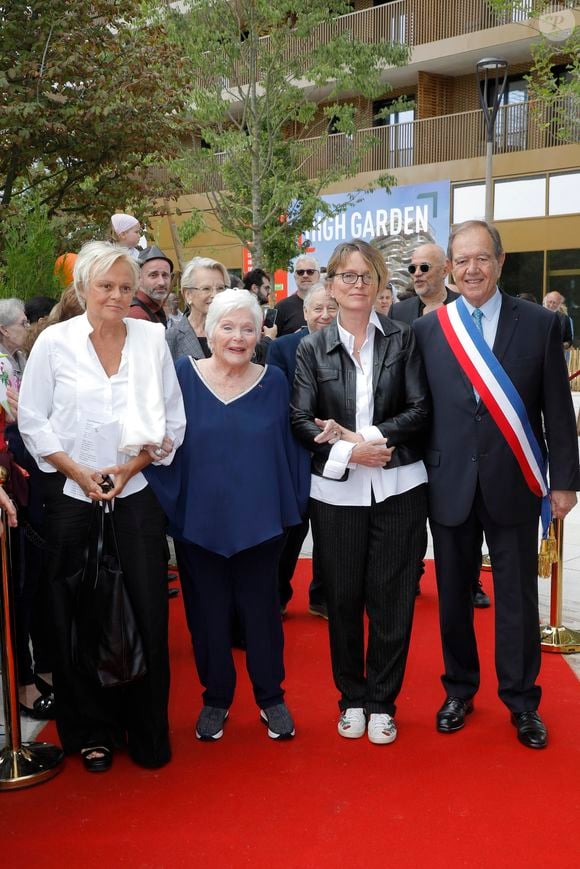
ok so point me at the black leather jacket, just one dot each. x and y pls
(325, 387)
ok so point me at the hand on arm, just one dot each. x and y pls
(332, 432)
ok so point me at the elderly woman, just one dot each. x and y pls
(13, 332)
(360, 404)
(202, 278)
(97, 389)
(237, 482)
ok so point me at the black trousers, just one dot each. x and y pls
(294, 538)
(215, 591)
(369, 560)
(514, 555)
(87, 714)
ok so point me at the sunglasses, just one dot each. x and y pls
(309, 272)
(424, 267)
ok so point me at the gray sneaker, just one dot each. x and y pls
(210, 724)
(279, 721)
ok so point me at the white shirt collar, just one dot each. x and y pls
(490, 308)
(348, 340)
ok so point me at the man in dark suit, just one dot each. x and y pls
(319, 310)
(429, 267)
(476, 485)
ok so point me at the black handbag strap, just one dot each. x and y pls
(106, 507)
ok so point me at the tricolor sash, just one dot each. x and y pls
(504, 403)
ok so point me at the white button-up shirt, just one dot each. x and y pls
(65, 387)
(362, 482)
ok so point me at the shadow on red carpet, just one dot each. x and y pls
(476, 798)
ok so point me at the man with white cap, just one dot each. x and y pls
(154, 286)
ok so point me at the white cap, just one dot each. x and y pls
(123, 222)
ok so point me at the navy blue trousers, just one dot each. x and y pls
(217, 589)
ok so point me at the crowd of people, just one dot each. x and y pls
(232, 425)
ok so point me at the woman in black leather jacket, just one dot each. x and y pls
(360, 404)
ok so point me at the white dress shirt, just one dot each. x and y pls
(66, 394)
(362, 482)
(490, 318)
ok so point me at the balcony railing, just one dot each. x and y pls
(410, 22)
(520, 127)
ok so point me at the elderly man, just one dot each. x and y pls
(319, 310)
(154, 284)
(291, 309)
(553, 302)
(429, 267)
(498, 380)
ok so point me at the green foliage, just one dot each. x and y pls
(91, 97)
(191, 226)
(557, 99)
(258, 69)
(30, 246)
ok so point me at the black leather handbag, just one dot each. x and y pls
(105, 642)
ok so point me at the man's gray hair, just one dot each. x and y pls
(476, 224)
(95, 258)
(233, 300)
(307, 258)
(315, 288)
(10, 311)
(202, 262)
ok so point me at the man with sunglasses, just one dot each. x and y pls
(291, 310)
(428, 268)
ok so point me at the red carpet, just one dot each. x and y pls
(476, 798)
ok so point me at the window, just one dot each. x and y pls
(398, 139)
(523, 273)
(564, 195)
(468, 202)
(511, 126)
(523, 197)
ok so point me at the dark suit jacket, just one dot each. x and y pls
(466, 447)
(411, 309)
(325, 387)
(282, 353)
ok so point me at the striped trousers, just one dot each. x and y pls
(370, 559)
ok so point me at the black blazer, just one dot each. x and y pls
(325, 387)
(465, 447)
(411, 309)
(282, 353)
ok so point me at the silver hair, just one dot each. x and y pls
(10, 311)
(476, 224)
(315, 288)
(202, 262)
(306, 257)
(94, 259)
(232, 300)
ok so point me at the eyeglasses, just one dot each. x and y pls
(302, 272)
(352, 277)
(424, 267)
(219, 289)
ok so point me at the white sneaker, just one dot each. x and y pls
(382, 728)
(352, 723)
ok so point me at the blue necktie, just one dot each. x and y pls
(478, 317)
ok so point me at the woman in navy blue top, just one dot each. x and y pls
(238, 481)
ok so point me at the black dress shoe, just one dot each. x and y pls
(451, 716)
(43, 708)
(532, 731)
(480, 599)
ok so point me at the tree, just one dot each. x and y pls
(91, 97)
(259, 70)
(30, 244)
(556, 96)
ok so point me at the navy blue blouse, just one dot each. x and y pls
(240, 477)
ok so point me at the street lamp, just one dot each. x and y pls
(491, 82)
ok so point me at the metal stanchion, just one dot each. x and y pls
(555, 637)
(22, 764)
